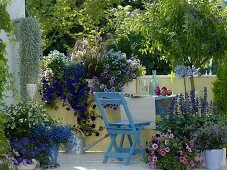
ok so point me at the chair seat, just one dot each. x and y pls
(127, 123)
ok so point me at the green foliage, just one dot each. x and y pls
(4, 143)
(177, 29)
(5, 77)
(30, 51)
(23, 116)
(220, 84)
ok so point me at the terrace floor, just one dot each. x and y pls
(93, 161)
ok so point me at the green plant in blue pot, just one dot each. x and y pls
(53, 135)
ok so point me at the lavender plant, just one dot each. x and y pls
(188, 114)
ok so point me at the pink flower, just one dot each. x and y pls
(16, 153)
(167, 149)
(202, 162)
(163, 135)
(180, 152)
(158, 139)
(189, 150)
(192, 142)
(163, 153)
(154, 165)
(1, 162)
(188, 168)
(166, 142)
(200, 156)
(183, 159)
(155, 146)
(169, 130)
(161, 148)
(171, 135)
(192, 163)
(154, 158)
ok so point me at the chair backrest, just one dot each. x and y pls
(102, 98)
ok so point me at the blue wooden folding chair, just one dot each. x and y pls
(128, 127)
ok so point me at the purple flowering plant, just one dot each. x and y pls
(117, 72)
(65, 80)
(211, 137)
(166, 150)
(25, 149)
(186, 115)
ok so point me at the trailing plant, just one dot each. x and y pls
(65, 80)
(219, 87)
(30, 51)
(190, 113)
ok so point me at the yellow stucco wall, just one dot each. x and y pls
(133, 88)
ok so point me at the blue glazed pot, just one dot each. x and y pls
(53, 153)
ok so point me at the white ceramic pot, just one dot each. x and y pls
(213, 159)
(31, 166)
(31, 89)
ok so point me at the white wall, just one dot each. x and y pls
(16, 9)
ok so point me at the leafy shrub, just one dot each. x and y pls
(219, 89)
(23, 116)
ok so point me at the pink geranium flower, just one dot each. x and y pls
(158, 140)
(155, 146)
(163, 153)
(200, 156)
(167, 149)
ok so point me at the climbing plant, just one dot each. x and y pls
(5, 76)
(30, 51)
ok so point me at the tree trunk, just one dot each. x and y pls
(192, 83)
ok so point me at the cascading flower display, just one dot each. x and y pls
(66, 80)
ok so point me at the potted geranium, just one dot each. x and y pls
(167, 151)
(52, 135)
(211, 139)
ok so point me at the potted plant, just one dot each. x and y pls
(27, 151)
(211, 139)
(167, 151)
(23, 116)
(52, 135)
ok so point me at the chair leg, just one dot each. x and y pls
(111, 145)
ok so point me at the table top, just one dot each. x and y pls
(160, 97)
